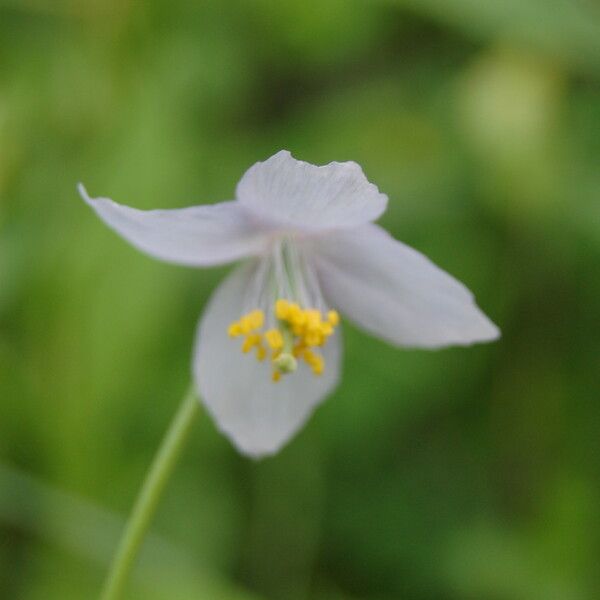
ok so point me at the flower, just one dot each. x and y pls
(311, 249)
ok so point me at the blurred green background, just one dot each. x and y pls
(461, 474)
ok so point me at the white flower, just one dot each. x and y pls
(311, 249)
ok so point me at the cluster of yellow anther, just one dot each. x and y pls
(308, 329)
(248, 327)
(298, 331)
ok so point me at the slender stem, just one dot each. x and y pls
(149, 496)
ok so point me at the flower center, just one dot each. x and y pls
(294, 324)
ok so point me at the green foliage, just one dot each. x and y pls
(463, 474)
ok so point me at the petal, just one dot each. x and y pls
(256, 414)
(297, 195)
(194, 236)
(397, 293)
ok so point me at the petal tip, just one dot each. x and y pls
(253, 452)
(83, 192)
(484, 331)
(493, 333)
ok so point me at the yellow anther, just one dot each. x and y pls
(276, 376)
(313, 319)
(326, 329)
(315, 361)
(251, 340)
(282, 309)
(274, 339)
(296, 316)
(319, 366)
(256, 319)
(245, 325)
(261, 353)
(251, 322)
(309, 356)
(234, 330)
(333, 317)
(298, 350)
(313, 339)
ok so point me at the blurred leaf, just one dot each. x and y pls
(565, 29)
(90, 535)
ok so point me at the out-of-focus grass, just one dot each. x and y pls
(467, 473)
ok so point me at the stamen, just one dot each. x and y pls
(251, 341)
(234, 330)
(274, 339)
(298, 332)
(282, 309)
(294, 323)
(261, 353)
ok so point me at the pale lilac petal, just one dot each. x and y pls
(397, 293)
(297, 195)
(195, 236)
(256, 414)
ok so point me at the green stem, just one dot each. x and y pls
(149, 496)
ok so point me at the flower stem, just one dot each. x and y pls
(149, 496)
